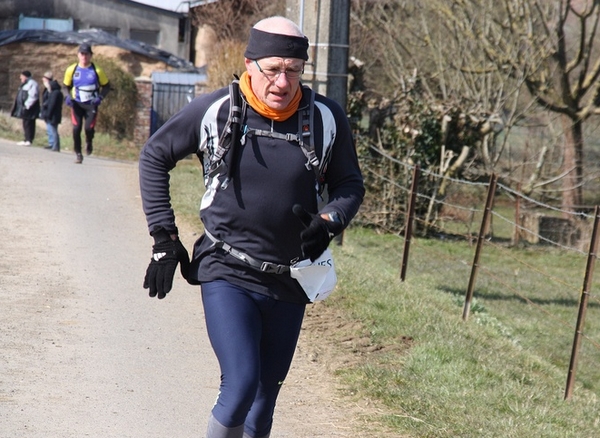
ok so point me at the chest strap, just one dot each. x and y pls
(303, 137)
(267, 267)
(308, 150)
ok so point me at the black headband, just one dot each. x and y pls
(264, 44)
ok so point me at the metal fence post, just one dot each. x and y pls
(585, 293)
(484, 223)
(409, 220)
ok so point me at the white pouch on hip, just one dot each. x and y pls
(317, 278)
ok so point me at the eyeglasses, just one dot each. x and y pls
(274, 73)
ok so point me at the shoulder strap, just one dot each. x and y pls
(230, 135)
(306, 126)
(95, 71)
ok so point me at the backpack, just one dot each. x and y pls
(233, 135)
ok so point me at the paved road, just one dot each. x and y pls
(83, 351)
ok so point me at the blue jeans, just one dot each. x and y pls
(53, 137)
(254, 338)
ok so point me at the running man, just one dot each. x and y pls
(86, 86)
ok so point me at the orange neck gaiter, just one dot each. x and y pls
(261, 108)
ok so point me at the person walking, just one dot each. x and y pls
(265, 166)
(86, 85)
(51, 113)
(27, 106)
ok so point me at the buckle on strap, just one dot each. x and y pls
(267, 267)
(272, 268)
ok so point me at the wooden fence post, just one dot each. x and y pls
(409, 220)
(517, 231)
(484, 223)
(585, 293)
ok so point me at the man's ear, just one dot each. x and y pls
(249, 64)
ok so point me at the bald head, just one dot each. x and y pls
(279, 25)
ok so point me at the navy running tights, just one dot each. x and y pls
(254, 338)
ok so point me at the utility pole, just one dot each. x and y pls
(326, 23)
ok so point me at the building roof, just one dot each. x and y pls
(96, 37)
(155, 8)
(178, 78)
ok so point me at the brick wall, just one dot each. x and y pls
(143, 110)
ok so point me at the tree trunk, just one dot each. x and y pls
(572, 198)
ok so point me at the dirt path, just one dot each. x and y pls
(84, 351)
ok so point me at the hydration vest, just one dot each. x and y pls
(233, 135)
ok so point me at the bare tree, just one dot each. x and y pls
(232, 19)
(422, 77)
(552, 46)
(395, 39)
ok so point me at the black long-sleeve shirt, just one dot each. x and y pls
(254, 213)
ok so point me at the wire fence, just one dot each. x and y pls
(532, 260)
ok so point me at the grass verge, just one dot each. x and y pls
(502, 373)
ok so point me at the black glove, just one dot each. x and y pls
(166, 253)
(318, 233)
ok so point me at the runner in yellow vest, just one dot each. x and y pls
(86, 85)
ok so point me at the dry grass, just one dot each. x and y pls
(228, 59)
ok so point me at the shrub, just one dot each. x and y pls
(117, 112)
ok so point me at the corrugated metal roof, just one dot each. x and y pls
(177, 78)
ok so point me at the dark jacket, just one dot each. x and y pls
(27, 102)
(52, 102)
(254, 214)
